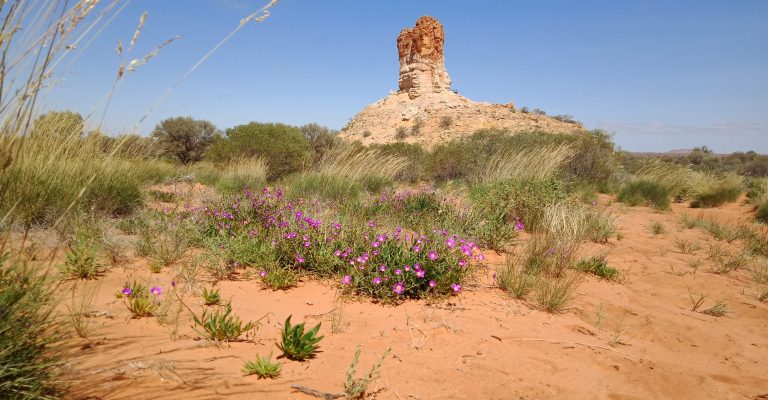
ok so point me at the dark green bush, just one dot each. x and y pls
(284, 147)
(642, 192)
(28, 333)
(715, 197)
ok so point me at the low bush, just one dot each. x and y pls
(598, 266)
(642, 192)
(284, 148)
(554, 294)
(242, 173)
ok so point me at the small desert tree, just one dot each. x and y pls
(184, 138)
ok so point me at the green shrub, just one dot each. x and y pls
(599, 267)
(524, 200)
(279, 278)
(642, 192)
(297, 345)
(515, 280)
(263, 367)
(29, 333)
(284, 148)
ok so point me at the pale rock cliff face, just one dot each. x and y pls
(422, 67)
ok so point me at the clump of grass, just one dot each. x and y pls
(718, 310)
(78, 311)
(242, 173)
(81, 261)
(263, 367)
(657, 228)
(165, 239)
(687, 246)
(554, 294)
(525, 164)
(730, 262)
(514, 279)
(697, 300)
(598, 266)
(355, 388)
(601, 227)
(712, 190)
(690, 222)
(139, 301)
(298, 345)
(563, 228)
(643, 192)
(221, 325)
(29, 333)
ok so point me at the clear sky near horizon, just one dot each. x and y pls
(660, 75)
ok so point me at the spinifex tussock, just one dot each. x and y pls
(526, 164)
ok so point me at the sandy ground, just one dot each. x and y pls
(635, 339)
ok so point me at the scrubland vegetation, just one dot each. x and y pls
(389, 223)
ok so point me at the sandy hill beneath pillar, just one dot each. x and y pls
(442, 117)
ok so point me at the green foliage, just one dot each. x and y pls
(280, 278)
(81, 261)
(504, 201)
(59, 123)
(29, 334)
(355, 388)
(417, 159)
(598, 266)
(263, 367)
(642, 192)
(323, 186)
(711, 190)
(222, 325)
(184, 138)
(297, 345)
(212, 297)
(284, 148)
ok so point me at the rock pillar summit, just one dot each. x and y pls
(422, 68)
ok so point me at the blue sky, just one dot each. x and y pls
(661, 75)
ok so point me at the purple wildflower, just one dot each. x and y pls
(155, 290)
(346, 280)
(398, 272)
(432, 283)
(127, 291)
(420, 273)
(262, 273)
(399, 288)
(432, 255)
(299, 258)
(456, 288)
(376, 280)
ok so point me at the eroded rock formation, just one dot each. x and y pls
(422, 68)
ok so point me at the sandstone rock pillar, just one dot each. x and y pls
(422, 68)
